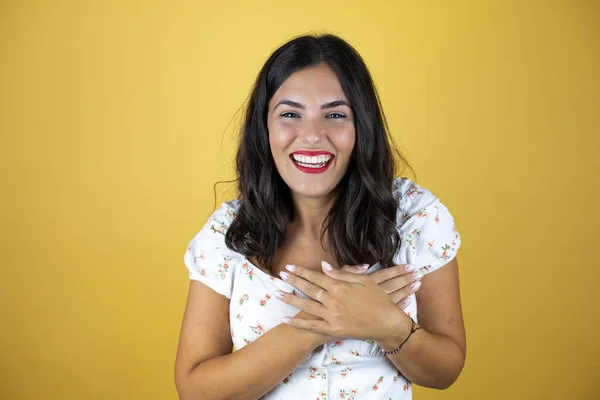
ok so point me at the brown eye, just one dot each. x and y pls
(338, 115)
(289, 113)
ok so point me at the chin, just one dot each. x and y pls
(314, 191)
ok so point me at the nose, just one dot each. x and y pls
(313, 133)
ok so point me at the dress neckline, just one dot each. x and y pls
(271, 277)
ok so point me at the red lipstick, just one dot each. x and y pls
(313, 153)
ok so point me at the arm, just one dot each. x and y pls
(205, 368)
(435, 355)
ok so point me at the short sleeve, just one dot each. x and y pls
(429, 238)
(208, 259)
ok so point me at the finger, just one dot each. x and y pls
(406, 291)
(392, 272)
(311, 279)
(404, 302)
(401, 281)
(303, 279)
(310, 306)
(311, 325)
(340, 275)
(356, 269)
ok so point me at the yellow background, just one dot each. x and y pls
(117, 117)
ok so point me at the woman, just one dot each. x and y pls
(276, 274)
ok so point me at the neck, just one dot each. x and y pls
(309, 215)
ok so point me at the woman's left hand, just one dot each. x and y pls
(352, 306)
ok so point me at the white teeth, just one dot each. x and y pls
(311, 165)
(312, 162)
(320, 159)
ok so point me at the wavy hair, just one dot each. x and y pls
(361, 223)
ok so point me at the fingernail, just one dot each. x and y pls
(418, 275)
(410, 268)
(364, 266)
(326, 265)
(284, 275)
(406, 302)
(286, 320)
(290, 267)
(415, 286)
(278, 294)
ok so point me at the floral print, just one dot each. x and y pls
(379, 381)
(223, 267)
(313, 374)
(259, 329)
(248, 269)
(410, 238)
(243, 298)
(333, 360)
(348, 395)
(345, 371)
(345, 368)
(263, 302)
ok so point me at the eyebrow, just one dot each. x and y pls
(331, 104)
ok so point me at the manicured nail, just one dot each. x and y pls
(278, 294)
(410, 268)
(326, 265)
(406, 302)
(290, 267)
(415, 286)
(364, 266)
(418, 275)
(284, 275)
(286, 320)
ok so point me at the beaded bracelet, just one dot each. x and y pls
(413, 329)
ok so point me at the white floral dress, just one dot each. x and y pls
(346, 369)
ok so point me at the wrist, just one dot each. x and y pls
(395, 331)
(319, 339)
(312, 339)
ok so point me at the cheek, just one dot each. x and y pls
(344, 139)
(280, 136)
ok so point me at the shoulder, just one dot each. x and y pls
(215, 227)
(426, 226)
(411, 199)
(207, 257)
(220, 220)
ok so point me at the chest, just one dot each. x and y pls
(254, 309)
(307, 254)
(307, 257)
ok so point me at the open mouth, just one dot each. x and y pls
(314, 162)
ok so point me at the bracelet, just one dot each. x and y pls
(413, 329)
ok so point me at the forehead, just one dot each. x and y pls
(318, 83)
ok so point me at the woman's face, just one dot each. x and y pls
(311, 131)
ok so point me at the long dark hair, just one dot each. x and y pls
(361, 224)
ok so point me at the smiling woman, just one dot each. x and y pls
(314, 272)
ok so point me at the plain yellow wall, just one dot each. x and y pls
(117, 117)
